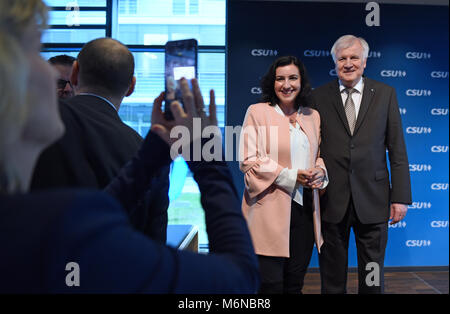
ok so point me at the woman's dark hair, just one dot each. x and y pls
(268, 82)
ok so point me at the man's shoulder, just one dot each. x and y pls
(76, 100)
(88, 110)
(81, 104)
(325, 88)
(376, 84)
(73, 107)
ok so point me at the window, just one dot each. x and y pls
(178, 7)
(158, 21)
(128, 7)
(145, 26)
(193, 7)
(76, 21)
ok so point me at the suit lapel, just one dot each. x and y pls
(367, 96)
(338, 105)
(304, 125)
(307, 126)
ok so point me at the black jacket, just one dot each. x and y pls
(357, 165)
(95, 146)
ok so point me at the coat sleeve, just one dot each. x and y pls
(260, 170)
(319, 161)
(114, 258)
(401, 184)
(136, 176)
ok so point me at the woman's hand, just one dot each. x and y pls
(312, 178)
(303, 177)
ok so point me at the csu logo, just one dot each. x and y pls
(393, 73)
(256, 90)
(439, 149)
(418, 55)
(402, 110)
(374, 54)
(420, 205)
(418, 243)
(439, 111)
(400, 224)
(439, 74)
(316, 53)
(264, 53)
(439, 186)
(419, 168)
(333, 72)
(418, 130)
(418, 92)
(439, 224)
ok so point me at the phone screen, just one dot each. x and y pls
(180, 61)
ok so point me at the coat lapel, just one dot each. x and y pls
(308, 127)
(367, 96)
(338, 105)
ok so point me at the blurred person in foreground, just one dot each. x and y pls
(43, 233)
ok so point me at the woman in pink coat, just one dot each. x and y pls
(279, 151)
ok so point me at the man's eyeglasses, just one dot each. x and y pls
(62, 83)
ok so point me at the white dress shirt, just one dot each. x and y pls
(300, 154)
(357, 97)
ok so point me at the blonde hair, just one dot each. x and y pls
(345, 42)
(15, 17)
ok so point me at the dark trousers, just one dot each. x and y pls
(286, 275)
(371, 242)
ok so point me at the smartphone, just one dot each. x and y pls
(180, 61)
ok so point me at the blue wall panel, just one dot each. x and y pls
(409, 50)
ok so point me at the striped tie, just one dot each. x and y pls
(349, 108)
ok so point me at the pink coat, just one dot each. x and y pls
(266, 206)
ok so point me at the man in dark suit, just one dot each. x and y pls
(97, 144)
(360, 121)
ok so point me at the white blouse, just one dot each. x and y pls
(300, 152)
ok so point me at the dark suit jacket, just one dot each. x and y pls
(95, 146)
(41, 232)
(357, 165)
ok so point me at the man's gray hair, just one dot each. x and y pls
(347, 41)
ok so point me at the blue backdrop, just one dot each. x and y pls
(409, 50)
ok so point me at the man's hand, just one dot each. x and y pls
(312, 178)
(398, 212)
(317, 178)
(194, 105)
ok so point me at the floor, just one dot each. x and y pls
(411, 282)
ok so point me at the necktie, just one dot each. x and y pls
(349, 108)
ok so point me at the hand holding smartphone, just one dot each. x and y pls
(180, 61)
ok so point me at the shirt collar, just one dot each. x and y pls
(359, 86)
(102, 98)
